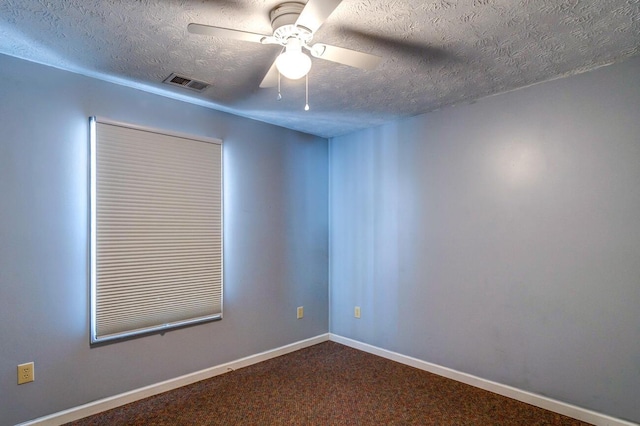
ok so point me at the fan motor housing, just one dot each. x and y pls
(285, 14)
(283, 21)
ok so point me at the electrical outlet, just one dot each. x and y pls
(25, 373)
(300, 312)
(356, 312)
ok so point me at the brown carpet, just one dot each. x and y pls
(328, 384)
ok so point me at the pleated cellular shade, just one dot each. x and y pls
(156, 244)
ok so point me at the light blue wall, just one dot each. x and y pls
(276, 231)
(501, 239)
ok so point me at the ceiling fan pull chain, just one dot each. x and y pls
(279, 95)
(306, 106)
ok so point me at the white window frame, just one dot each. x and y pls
(161, 310)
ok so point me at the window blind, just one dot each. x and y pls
(156, 230)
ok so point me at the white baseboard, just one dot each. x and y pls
(101, 405)
(559, 407)
(105, 404)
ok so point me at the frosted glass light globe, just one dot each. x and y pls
(293, 64)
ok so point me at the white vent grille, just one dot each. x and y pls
(182, 81)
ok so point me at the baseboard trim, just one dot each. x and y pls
(105, 404)
(559, 407)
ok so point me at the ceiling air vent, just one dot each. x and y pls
(179, 80)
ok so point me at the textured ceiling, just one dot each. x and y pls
(436, 52)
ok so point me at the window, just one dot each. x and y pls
(155, 230)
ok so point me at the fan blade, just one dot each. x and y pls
(397, 46)
(353, 58)
(271, 79)
(315, 13)
(224, 33)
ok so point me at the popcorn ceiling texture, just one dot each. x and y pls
(436, 53)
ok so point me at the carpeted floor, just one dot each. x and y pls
(328, 384)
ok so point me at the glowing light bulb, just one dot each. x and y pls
(293, 64)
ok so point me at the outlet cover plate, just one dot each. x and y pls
(25, 373)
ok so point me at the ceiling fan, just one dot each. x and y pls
(294, 25)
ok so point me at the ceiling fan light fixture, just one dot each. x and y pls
(292, 63)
